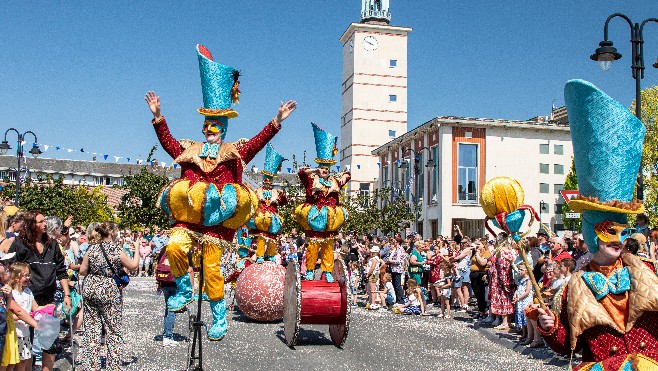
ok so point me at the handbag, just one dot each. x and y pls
(122, 279)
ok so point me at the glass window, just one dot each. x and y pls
(543, 187)
(558, 169)
(558, 149)
(392, 98)
(434, 174)
(557, 188)
(391, 133)
(543, 149)
(393, 63)
(467, 173)
(420, 180)
(543, 168)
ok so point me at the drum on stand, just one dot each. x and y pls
(316, 302)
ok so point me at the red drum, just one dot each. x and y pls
(316, 302)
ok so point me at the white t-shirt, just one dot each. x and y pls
(24, 299)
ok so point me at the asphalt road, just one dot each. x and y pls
(378, 340)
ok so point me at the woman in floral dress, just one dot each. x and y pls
(103, 300)
(501, 285)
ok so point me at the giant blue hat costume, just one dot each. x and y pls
(326, 146)
(607, 145)
(220, 88)
(273, 161)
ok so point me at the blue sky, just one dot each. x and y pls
(76, 74)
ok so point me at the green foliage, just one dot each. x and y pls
(53, 197)
(649, 107)
(139, 205)
(571, 183)
(381, 210)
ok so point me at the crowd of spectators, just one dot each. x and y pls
(52, 268)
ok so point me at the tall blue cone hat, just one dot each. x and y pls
(326, 146)
(220, 88)
(607, 144)
(273, 161)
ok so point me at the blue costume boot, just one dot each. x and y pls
(260, 260)
(328, 277)
(218, 329)
(183, 296)
(272, 258)
(309, 275)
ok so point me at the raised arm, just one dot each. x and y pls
(168, 142)
(343, 178)
(250, 149)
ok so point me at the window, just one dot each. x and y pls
(393, 63)
(543, 149)
(392, 98)
(391, 133)
(558, 149)
(558, 169)
(364, 188)
(120, 182)
(102, 180)
(385, 176)
(434, 175)
(543, 168)
(420, 178)
(543, 187)
(467, 170)
(557, 188)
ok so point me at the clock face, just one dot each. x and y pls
(370, 43)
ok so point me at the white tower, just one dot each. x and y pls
(374, 91)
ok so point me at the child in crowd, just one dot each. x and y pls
(11, 355)
(443, 286)
(413, 302)
(387, 296)
(355, 272)
(20, 280)
(522, 299)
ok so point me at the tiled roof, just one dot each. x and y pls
(75, 167)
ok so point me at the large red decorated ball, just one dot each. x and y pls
(259, 291)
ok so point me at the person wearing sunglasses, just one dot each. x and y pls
(209, 202)
(609, 309)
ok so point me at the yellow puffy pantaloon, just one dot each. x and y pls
(180, 243)
(263, 243)
(326, 249)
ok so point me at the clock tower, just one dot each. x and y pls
(374, 87)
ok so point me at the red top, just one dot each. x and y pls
(318, 198)
(229, 171)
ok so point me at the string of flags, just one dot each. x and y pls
(95, 156)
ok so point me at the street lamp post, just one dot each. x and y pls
(542, 205)
(34, 151)
(605, 54)
(417, 170)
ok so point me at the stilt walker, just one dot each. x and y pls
(209, 202)
(267, 223)
(609, 309)
(322, 215)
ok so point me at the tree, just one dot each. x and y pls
(649, 107)
(571, 183)
(53, 197)
(139, 206)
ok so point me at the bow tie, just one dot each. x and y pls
(618, 283)
(267, 194)
(209, 150)
(326, 183)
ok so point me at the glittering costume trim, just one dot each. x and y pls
(204, 238)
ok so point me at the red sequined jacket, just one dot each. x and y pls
(584, 324)
(319, 198)
(229, 171)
